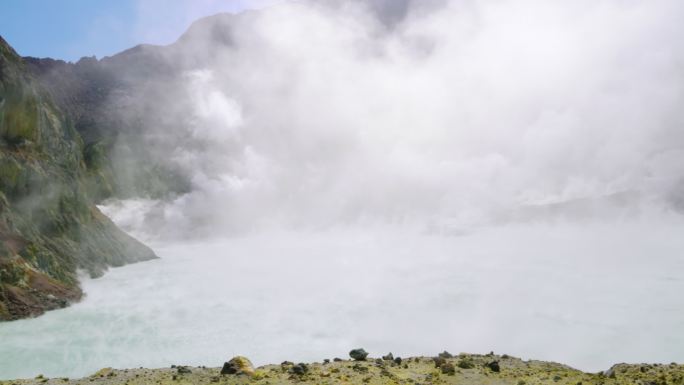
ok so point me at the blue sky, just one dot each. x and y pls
(70, 29)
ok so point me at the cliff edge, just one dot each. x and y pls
(49, 224)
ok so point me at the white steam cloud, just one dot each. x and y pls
(458, 114)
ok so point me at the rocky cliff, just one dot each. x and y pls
(49, 224)
(72, 135)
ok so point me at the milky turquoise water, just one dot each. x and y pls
(585, 295)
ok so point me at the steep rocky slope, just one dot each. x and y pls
(49, 224)
(74, 134)
(103, 99)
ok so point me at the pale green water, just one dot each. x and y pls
(588, 296)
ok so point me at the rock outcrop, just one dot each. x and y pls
(72, 135)
(49, 224)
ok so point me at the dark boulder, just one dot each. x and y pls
(183, 370)
(300, 369)
(358, 354)
(493, 366)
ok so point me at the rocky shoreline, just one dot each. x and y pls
(443, 368)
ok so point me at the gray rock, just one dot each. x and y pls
(300, 369)
(183, 370)
(358, 354)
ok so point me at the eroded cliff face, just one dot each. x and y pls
(107, 103)
(49, 224)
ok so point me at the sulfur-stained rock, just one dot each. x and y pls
(238, 365)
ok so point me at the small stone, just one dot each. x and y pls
(388, 357)
(439, 361)
(183, 370)
(358, 354)
(445, 354)
(299, 369)
(493, 366)
(238, 365)
(448, 368)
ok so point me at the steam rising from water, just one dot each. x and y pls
(472, 176)
(581, 295)
(465, 114)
